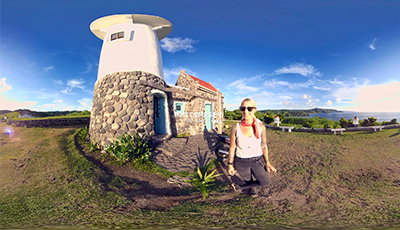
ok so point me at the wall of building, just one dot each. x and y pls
(122, 103)
(137, 50)
(192, 120)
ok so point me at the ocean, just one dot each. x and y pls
(380, 116)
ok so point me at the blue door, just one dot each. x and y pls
(208, 116)
(159, 114)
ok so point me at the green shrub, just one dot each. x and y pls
(392, 122)
(93, 147)
(203, 178)
(295, 120)
(128, 148)
(268, 120)
(310, 123)
(336, 125)
(371, 121)
(343, 123)
(83, 133)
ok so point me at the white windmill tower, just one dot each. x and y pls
(130, 43)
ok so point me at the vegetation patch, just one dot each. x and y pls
(48, 179)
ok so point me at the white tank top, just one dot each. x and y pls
(247, 147)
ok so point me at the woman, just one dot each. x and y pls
(248, 153)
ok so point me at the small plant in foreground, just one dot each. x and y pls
(202, 179)
(83, 133)
(93, 147)
(142, 151)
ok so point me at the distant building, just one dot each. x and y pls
(130, 94)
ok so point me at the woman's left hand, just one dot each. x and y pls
(270, 168)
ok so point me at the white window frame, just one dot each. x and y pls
(182, 110)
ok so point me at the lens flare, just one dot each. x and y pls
(9, 131)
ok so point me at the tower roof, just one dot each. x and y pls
(162, 26)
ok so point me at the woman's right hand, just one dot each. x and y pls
(231, 170)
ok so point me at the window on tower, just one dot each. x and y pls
(118, 35)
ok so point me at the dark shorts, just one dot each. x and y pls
(255, 166)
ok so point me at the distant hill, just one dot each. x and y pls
(5, 111)
(47, 113)
(300, 112)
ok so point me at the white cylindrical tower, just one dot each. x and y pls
(130, 43)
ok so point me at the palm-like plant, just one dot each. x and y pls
(203, 179)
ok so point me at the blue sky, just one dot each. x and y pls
(340, 54)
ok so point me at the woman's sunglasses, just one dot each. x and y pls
(248, 108)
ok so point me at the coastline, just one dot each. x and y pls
(380, 116)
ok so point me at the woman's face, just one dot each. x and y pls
(246, 114)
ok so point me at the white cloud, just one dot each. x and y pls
(47, 69)
(322, 88)
(349, 90)
(86, 104)
(173, 45)
(58, 107)
(338, 100)
(336, 82)
(329, 102)
(58, 82)
(58, 101)
(274, 83)
(286, 97)
(10, 103)
(89, 66)
(377, 98)
(372, 45)
(240, 86)
(73, 84)
(3, 85)
(298, 68)
(306, 97)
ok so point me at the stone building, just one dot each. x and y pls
(139, 102)
(130, 94)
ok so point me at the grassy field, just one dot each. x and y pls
(323, 181)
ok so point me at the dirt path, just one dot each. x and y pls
(154, 192)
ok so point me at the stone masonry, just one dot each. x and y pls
(122, 103)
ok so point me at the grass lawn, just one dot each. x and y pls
(323, 180)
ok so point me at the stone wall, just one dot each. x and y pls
(122, 103)
(50, 122)
(192, 121)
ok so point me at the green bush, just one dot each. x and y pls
(371, 121)
(268, 120)
(83, 133)
(392, 122)
(128, 148)
(203, 178)
(295, 120)
(93, 147)
(344, 123)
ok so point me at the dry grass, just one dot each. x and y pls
(323, 180)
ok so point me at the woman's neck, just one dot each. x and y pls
(249, 120)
